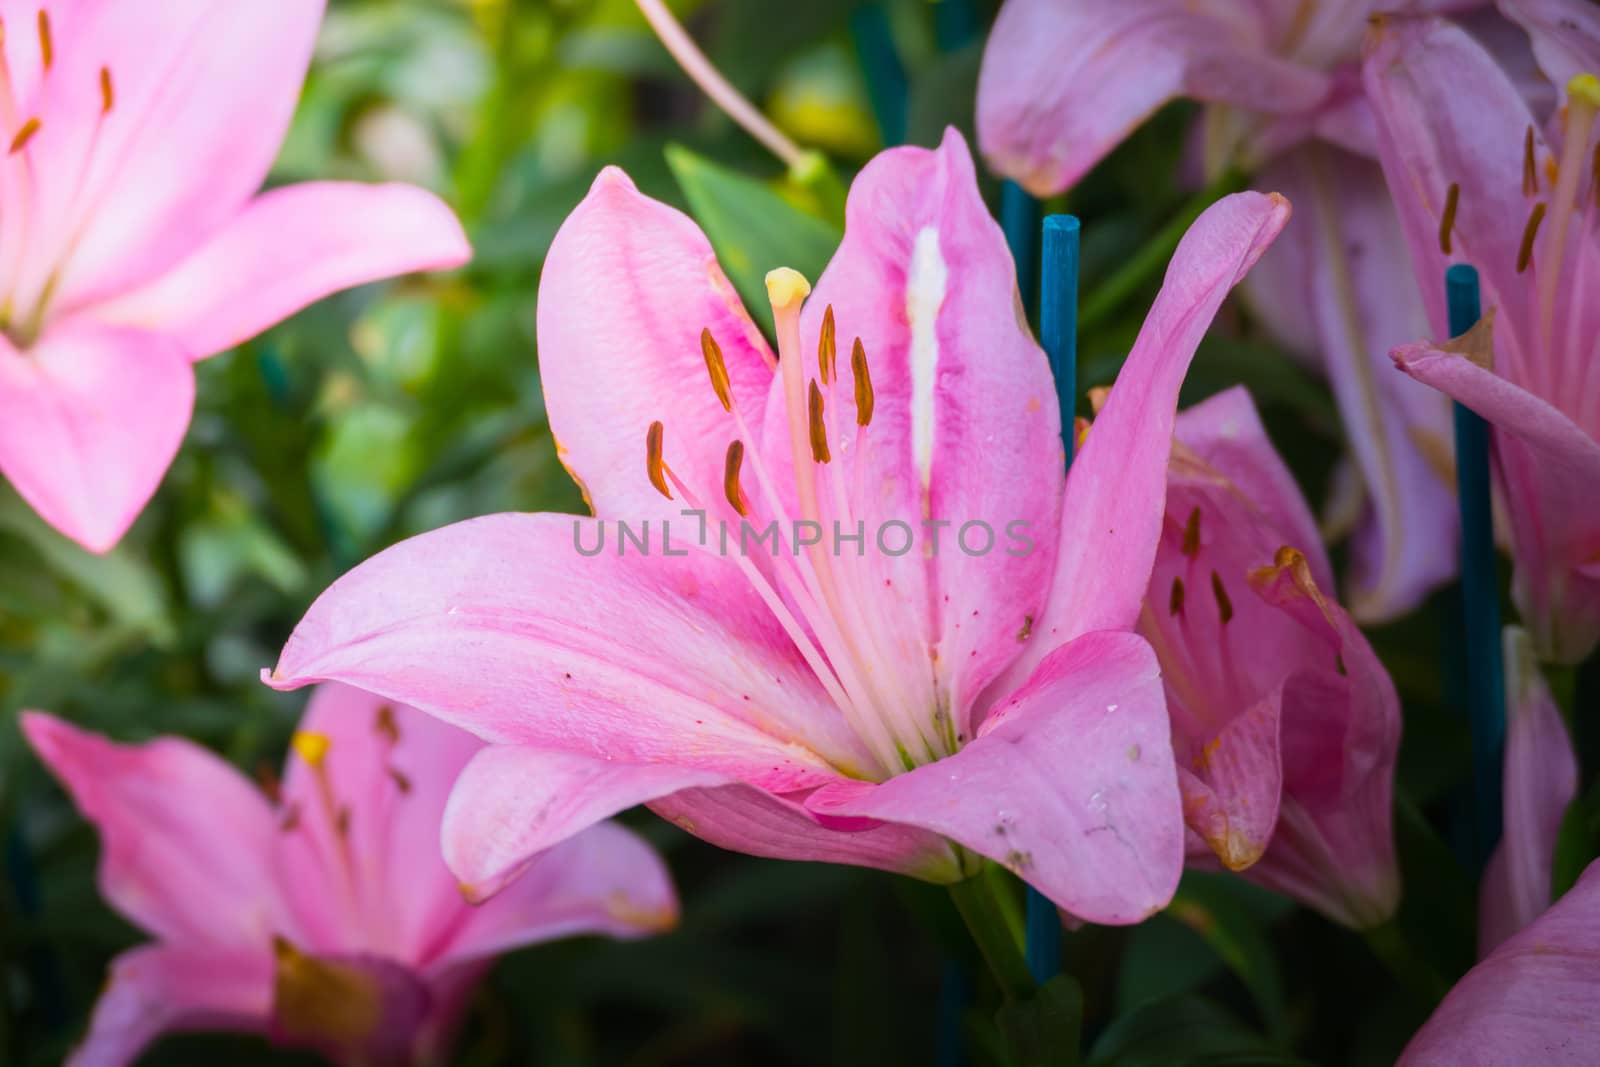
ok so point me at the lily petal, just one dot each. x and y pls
(90, 418)
(1565, 35)
(1116, 490)
(157, 989)
(627, 288)
(1541, 778)
(1534, 1000)
(289, 248)
(1078, 789)
(1063, 83)
(1549, 469)
(500, 626)
(185, 838)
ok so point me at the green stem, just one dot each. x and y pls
(1391, 946)
(990, 911)
(1110, 294)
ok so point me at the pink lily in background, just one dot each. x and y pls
(1541, 778)
(325, 918)
(1063, 83)
(1478, 182)
(1285, 725)
(133, 242)
(911, 708)
(1535, 999)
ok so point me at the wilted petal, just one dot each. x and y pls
(1549, 468)
(1070, 784)
(1063, 83)
(158, 989)
(1111, 515)
(627, 288)
(1536, 998)
(185, 838)
(500, 626)
(1541, 778)
(289, 248)
(90, 418)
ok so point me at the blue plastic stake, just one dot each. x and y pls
(1486, 684)
(1019, 218)
(1058, 329)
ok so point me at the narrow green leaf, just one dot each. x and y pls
(1046, 1029)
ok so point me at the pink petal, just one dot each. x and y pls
(1565, 34)
(514, 802)
(202, 97)
(1062, 84)
(289, 248)
(965, 432)
(1541, 778)
(1233, 781)
(185, 838)
(1351, 281)
(606, 880)
(1111, 515)
(90, 418)
(1534, 1000)
(1070, 784)
(1548, 468)
(627, 288)
(157, 989)
(500, 626)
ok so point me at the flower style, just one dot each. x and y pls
(834, 693)
(325, 918)
(1064, 82)
(1285, 725)
(1478, 181)
(1541, 778)
(132, 241)
(1533, 1000)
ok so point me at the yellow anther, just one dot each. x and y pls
(47, 50)
(24, 135)
(313, 748)
(786, 288)
(108, 96)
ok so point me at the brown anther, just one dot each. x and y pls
(1530, 170)
(1191, 534)
(47, 49)
(108, 96)
(341, 823)
(730, 477)
(653, 462)
(1224, 605)
(1448, 221)
(1594, 174)
(1529, 233)
(717, 368)
(401, 782)
(267, 779)
(819, 427)
(827, 349)
(864, 399)
(24, 135)
(385, 725)
(1175, 599)
(291, 819)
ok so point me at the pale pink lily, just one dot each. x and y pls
(1541, 778)
(1285, 725)
(1064, 82)
(1534, 1000)
(1477, 182)
(133, 241)
(325, 918)
(908, 710)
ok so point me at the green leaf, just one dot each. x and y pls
(751, 227)
(1232, 917)
(1185, 1031)
(1046, 1029)
(1578, 843)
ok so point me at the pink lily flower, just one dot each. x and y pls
(135, 138)
(1541, 778)
(1478, 182)
(1063, 83)
(1285, 725)
(324, 918)
(874, 701)
(1535, 999)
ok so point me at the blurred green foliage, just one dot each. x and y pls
(399, 408)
